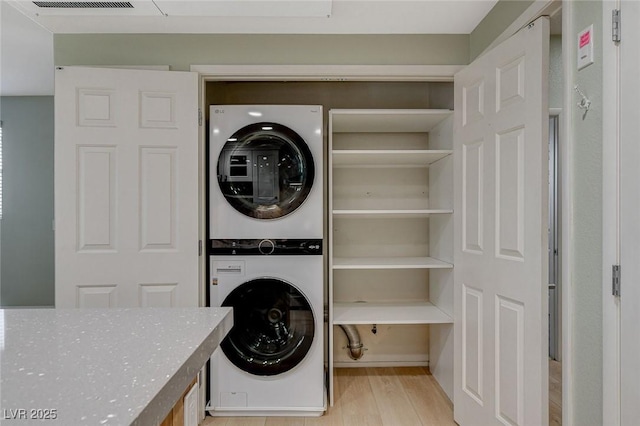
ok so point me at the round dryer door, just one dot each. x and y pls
(273, 327)
(265, 170)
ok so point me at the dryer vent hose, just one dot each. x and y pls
(355, 345)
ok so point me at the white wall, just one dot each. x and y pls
(26, 55)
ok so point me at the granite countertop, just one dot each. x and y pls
(102, 366)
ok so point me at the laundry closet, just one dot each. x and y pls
(398, 204)
(388, 216)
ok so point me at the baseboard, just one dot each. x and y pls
(28, 307)
(267, 412)
(362, 364)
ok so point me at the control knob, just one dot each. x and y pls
(266, 247)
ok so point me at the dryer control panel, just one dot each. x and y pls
(265, 246)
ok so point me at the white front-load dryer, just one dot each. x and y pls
(266, 171)
(272, 361)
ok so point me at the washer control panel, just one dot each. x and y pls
(264, 247)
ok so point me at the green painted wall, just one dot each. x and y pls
(556, 76)
(26, 234)
(496, 21)
(586, 195)
(182, 50)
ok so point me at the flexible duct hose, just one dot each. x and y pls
(355, 345)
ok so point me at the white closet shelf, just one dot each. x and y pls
(388, 157)
(387, 214)
(388, 313)
(386, 120)
(376, 202)
(389, 263)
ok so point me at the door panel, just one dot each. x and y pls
(96, 108)
(472, 344)
(500, 243)
(104, 296)
(158, 199)
(126, 188)
(510, 194)
(96, 180)
(158, 295)
(472, 196)
(509, 361)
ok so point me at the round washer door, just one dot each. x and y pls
(265, 170)
(273, 327)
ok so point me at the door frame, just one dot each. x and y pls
(221, 73)
(611, 325)
(396, 73)
(435, 73)
(537, 9)
(557, 112)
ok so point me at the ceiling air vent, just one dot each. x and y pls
(85, 4)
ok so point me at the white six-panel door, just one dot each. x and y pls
(500, 246)
(126, 188)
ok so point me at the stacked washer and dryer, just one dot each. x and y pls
(266, 228)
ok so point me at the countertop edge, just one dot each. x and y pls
(158, 408)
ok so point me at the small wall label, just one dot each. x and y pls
(585, 47)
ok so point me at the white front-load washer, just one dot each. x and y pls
(266, 171)
(272, 361)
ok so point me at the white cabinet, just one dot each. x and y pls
(191, 406)
(391, 236)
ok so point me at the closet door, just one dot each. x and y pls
(126, 188)
(500, 243)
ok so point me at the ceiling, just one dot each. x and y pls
(262, 16)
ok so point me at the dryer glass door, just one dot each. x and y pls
(273, 327)
(265, 170)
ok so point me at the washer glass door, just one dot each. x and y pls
(273, 327)
(265, 170)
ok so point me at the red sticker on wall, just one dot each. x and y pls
(585, 39)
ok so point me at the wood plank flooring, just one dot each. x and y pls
(388, 396)
(555, 393)
(371, 397)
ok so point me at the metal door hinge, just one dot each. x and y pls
(199, 247)
(615, 25)
(615, 275)
(199, 117)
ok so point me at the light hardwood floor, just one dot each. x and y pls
(370, 396)
(388, 396)
(555, 393)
